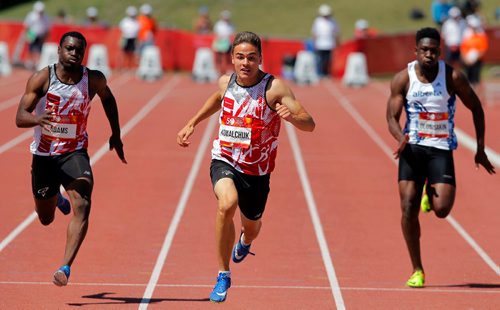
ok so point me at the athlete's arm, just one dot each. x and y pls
(98, 85)
(394, 109)
(211, 105)
(282, 99)
(463, 89)
(36, 87)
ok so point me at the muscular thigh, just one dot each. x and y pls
(252, 191)
(75, 173)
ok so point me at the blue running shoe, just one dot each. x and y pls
(61, 276)
(219, 293)
(63, 204)
(240, 251)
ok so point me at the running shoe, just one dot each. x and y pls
(61, 276)
(416, 280)
(63, 204)
(425, 204)
(219, 293)
(240, 251)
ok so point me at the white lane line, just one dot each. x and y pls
(428, 289)
(12, 143)
(27, 134)
(98, 155)
(9, 102)
(346, 104)
(179, 210)
(313, 211)
(471, 144)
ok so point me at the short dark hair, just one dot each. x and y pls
(428, 32)
(247, 37)
(73, 34)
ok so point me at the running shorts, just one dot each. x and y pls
(48, 173)
(418, 163)
(252, 190)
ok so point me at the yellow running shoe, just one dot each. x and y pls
(416, 280)
(425, 205)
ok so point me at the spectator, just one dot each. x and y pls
(92, 19)
(439, 11)
(129, 27)
(362, 29)
(62, 17)
(474, 46)
(37, 27)
(326, 35)
(470, 7)
(452, 32)
(202, 24)
(147, 28)
(223, 30)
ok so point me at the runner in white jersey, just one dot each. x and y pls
(70, 106)
(252, 104)
(427, 90)
(60, 96)
(430, 110)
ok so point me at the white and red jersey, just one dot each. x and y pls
(248, 129)
(70, 106)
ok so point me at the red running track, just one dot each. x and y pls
(331, 236)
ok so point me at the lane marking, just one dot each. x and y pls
(12, 143)
(274, 287)
(179, 210)
(100, 153)
(313, 211)
(351, 110)
(9, 102)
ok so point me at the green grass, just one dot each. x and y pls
(271, 18)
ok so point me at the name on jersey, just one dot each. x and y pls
(235, 132)
(64, 131)
(433, 125)
(435, 92)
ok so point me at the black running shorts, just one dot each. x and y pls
(252, 190)
(48, 173)
(418, 163)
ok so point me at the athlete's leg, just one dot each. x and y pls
(250, 228)
(442, 198)
(45, 209)
(227, 203)
(441, 178)
(79, 192)
(45, 186)
(410, 195)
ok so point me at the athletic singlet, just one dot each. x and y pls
(70, 105)
(248, 129)
(430, 111)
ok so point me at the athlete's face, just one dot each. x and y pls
(246, 60)
(71, 52)
(427, 52)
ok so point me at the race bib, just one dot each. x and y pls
(64, 128)
(235, 132)
(433, 125)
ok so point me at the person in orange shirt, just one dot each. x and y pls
(474, 46)
(147, 28)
